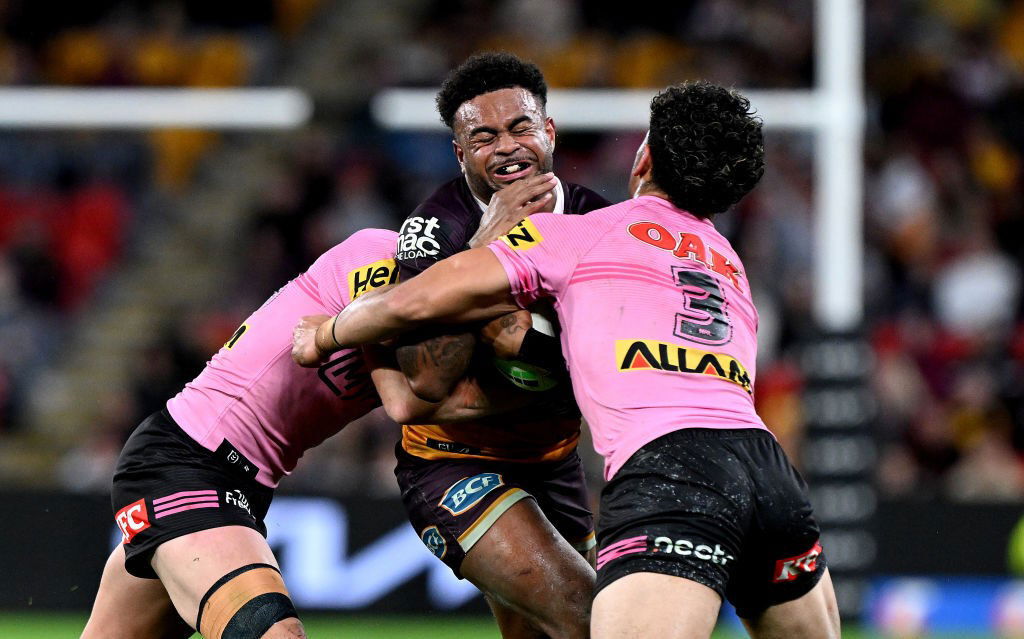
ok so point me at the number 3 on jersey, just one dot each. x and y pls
(703, 318)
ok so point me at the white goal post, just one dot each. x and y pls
(833, 111)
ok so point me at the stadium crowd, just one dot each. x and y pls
(944, 219)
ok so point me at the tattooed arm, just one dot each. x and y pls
(434, 363)
(505, 334)
(471, 398)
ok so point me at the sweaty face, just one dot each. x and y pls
(501, 137)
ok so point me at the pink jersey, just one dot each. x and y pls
(254, 396)
(660, 332)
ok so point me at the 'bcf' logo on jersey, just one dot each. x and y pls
(132, 519)
(467, 492)
(434, 542)
(417, 238)
(790, 569)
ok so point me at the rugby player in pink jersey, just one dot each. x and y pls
(195, 480)
(659, 333)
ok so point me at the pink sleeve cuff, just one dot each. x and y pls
(521, 278)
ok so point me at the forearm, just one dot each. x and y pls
(365, 321)
(467, 401)
(463, 288)
(433, 363)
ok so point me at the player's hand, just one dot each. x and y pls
(304, 348)
(511, 204)
(506, 333)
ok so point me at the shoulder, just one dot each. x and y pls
(365, 244)
(370, 238)
(580, 199)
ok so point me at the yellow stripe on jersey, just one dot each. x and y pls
(647, 354)
(507, 444)
(371, 276)
(585, 544)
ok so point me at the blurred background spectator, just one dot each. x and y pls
(90, 222)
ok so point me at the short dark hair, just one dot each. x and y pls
(707, 149)
(486, 72)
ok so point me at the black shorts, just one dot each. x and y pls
(166, 485)
(724, 508)
(452, 502)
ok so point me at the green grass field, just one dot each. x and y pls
(67, 626)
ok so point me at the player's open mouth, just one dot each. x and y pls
(512, 171)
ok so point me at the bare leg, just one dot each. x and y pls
(512, 624)
(647, 604)
(127, 606)
(813, 616)
(529, 570)
(190, 565)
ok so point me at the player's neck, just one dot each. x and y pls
(650, 188)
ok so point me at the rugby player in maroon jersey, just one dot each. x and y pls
(520, 535)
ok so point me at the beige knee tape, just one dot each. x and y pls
(233, 591)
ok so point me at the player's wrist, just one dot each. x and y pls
(325, 340)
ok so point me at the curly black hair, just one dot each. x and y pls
(707, 149)
(486, 72)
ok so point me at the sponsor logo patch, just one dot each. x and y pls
(237, 498)
(237, 335)
(467, 492)
(346, 375)
(418, 238)
(643, 544)
(371, 276)
(646, 354)
(523, 236)
(434, 542)
(685, 246)
(687, 548)
(132, 519)
(790, 569)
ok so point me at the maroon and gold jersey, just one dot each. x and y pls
(440, 227)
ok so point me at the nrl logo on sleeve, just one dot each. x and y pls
(522, 236)
(371, 276)
(467, 492)
(646, 355)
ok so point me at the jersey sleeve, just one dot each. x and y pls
(361, 263)
(429, 235)
(540, 254)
